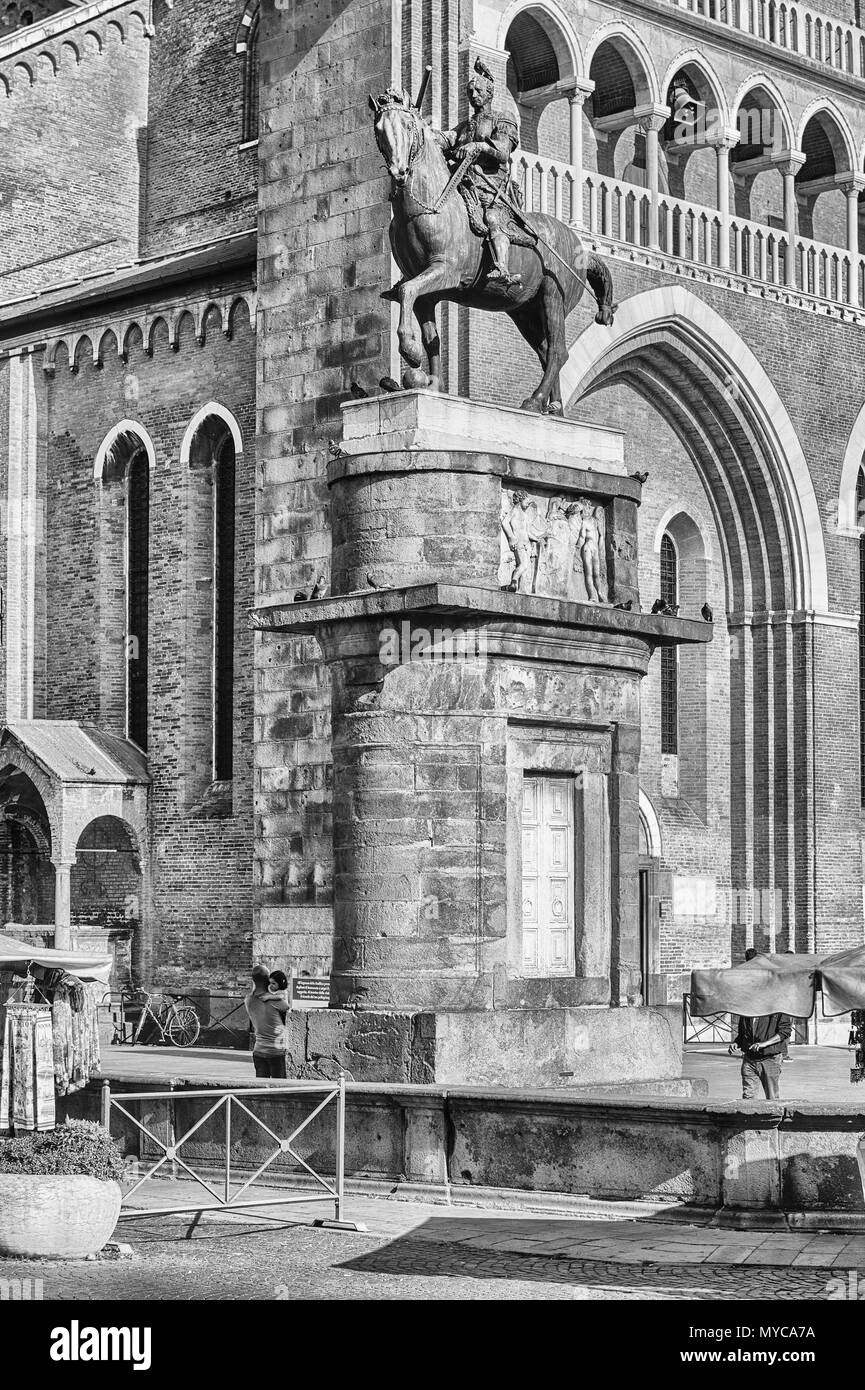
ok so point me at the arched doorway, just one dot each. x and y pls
(106, 891)
(26, 871)
(735, 797)
(27, 877)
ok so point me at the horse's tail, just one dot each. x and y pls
(601, 285)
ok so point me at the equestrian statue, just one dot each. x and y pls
(459, 233)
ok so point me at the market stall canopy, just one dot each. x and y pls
(84, 965)
(843, 981)
(784, 984)
(764, 985)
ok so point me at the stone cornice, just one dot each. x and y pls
(20, 40)
(40, 318)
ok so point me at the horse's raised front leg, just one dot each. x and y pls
(438, 276)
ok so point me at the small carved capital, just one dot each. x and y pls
(724, 138)
(850, 183)
(788, 162)
(651, 117)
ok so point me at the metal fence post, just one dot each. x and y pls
(340, 1147)
(227, 1149)
(106, 1105)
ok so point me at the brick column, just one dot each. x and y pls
(24, 523)
(836, 809)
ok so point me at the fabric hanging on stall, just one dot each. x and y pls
(76, 1034)
(26, 1072)
(7, 993)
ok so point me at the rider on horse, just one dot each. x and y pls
(488, 138)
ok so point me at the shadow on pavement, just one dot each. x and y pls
(430, 1250)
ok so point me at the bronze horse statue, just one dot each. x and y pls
(440, 257)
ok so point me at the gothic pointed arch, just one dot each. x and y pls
(681, 354)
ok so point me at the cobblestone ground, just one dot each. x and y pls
(231, 1262)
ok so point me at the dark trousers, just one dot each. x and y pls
(760, 1072)
(269, 1066)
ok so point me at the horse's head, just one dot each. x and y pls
(398, 132)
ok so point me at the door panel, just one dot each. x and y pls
(548, 875)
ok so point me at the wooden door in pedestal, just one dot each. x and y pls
(548, 875)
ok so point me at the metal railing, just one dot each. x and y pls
(713, 1028)
(225, 1101)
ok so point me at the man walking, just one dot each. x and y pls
(267, 1013)
(762, 1041)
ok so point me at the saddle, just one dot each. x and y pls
(516, 234)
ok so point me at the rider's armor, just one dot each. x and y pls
(486, 180)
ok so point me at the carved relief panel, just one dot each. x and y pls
(553, 545)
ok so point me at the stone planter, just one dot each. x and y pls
(55, 1216)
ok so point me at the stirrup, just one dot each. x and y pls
(506, 278)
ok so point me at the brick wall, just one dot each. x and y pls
(201, 853)
(68, 107)
(199, 184)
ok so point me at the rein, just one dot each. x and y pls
(396, 192)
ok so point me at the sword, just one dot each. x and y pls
(453, 182)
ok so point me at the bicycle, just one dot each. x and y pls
(176, 1021)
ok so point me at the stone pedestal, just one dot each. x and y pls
(475, 726)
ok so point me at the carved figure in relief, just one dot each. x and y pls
(587, 522)
(525, 532)
(559, 554)
(554, 562)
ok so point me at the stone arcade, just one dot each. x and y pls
(485, 791)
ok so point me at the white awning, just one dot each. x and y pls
(84, 965)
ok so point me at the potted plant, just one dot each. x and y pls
(59, 1192)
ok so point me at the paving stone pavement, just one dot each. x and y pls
(289, 1263)
(655, 1237)
(429, 1251)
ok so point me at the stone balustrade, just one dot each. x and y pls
(620, 212)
